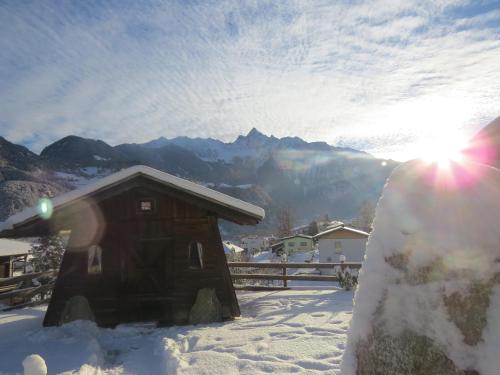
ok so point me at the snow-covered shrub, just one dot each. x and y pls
(347, 280)
(428, 300)
(47, 253)
(238, 257)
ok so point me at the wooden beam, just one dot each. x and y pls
(27, 292)
(27, 304)
(243, 276)
(352, 265)
(28, 276)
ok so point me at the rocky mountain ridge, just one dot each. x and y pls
(313, 179)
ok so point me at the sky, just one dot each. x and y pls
(384, 76)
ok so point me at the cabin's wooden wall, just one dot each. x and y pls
(176, 222)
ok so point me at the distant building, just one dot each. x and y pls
(254, 243)
(277, 248)
(231, 248)
(317, 226)
(330, 225)
(341, 240)
(12, 252)
(297, 243)
(302, 229)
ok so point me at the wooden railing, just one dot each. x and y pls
(282, 268)
(17, 296)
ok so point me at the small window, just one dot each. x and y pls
(94, 265)
(291, 244)
(303, 244)
(195, 255)
(338, 247)
(146, 205)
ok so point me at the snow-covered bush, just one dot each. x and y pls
(428, 300)
(238, 257)
(347, 280)
(47, 253)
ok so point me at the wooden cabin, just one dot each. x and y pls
(142, 244)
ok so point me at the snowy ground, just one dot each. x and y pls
(281, 332)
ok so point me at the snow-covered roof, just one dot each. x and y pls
(300, 227)
(334, 223)
(13, 247)
(341, 227)
(231, 247)
(277, 244)
(132, 172)
(297, 235)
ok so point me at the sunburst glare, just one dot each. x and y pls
(444, 149)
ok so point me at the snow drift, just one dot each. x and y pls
(429, 292)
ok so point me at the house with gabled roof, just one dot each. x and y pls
(297, 243)
(143, 243)
(341, 241)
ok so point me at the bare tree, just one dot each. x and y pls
(284, 219)
(365, 217)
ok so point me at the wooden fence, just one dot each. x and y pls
(282, 272)
(26, 290)
(22, 291)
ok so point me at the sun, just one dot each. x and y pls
(443, 149)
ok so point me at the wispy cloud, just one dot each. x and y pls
(380, 74)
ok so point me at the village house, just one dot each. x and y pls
(277, 248)
(143, 244)
(254, 243)
(13, 257)
(297, 243)
(301, 229)
(341, 241)
(231, 248)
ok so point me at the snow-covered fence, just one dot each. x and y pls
(26, 290)
(283, 275)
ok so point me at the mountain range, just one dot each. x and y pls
(313, 179)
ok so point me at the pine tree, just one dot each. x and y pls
(47, 253)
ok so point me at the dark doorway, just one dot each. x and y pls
(148, 281)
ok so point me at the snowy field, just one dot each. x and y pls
(300, 331)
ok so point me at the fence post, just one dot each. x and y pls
(285, 283)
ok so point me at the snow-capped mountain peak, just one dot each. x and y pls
(255, 145)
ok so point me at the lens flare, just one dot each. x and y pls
(88, 224)
(444, 149)
(446, 163)
(45, 208)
